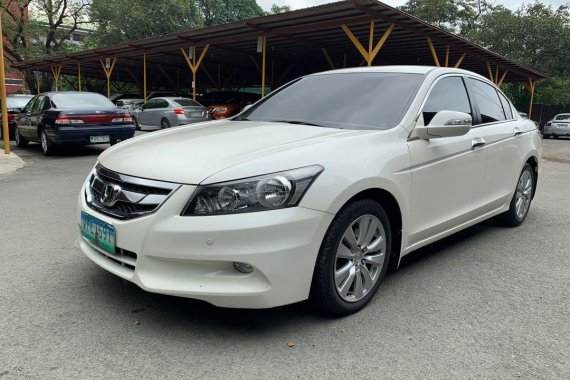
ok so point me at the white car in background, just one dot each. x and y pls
(313, 191)
(558, 126)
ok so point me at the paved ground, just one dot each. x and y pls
(489, 302)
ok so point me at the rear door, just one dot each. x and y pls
(447, 173)
(503, 141)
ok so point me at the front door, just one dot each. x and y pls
(448, 173)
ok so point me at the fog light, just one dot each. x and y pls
(243, 267)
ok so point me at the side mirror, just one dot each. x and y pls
(17, 110)
(445, 124)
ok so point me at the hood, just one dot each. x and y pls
(191, 154)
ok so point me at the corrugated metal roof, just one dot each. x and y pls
(294, 43)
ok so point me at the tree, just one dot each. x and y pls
(279, 9)
(128, 20)
(215, 12)
(34, 37)
(534, 35)
(451, 15)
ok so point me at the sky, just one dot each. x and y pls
(297, 4)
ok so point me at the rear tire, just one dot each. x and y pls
(48, 147)
(545, 136)
(164, 123)
(520, 204)
(21, 142)
(353, 259)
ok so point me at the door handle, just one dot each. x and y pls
(517, 131)
(477, 142)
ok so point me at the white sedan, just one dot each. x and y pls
(314, 191)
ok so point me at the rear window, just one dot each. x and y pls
(186, 102)
(80, 100)
(563, 117)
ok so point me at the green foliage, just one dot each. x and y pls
(215, 12)
(535, 35)
(128, 20)
(279, 9)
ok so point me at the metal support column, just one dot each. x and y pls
(108, 72)
(194, 66)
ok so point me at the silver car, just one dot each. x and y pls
(559, 126)
(169, 112)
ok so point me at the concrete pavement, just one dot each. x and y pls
(489, 302)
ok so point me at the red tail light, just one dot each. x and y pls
(179, 111)
(11, 116)
(65, 119)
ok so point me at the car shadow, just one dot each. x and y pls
(34, 151)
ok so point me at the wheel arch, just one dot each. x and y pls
(390, 204)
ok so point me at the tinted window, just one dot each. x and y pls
(506, 106)
(563, 117)
(488, 101)
(448, 94)
(344, 100)
(31, 104)
(38, 104)
(149, 105)
(186, 103)
(161, 103)
(80, 100)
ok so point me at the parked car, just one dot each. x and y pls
(227, 104)
(558, 126)
(312, 192)
(15, 104)
(169, 112)
(131, 103)
(71, 117)
(115, 98)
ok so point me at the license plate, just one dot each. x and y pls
(99, 139)
(98, 232)
(196, 114)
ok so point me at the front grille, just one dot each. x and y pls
(125, 197)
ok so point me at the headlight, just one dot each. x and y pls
(267, 192)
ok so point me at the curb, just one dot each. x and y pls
(10, 163)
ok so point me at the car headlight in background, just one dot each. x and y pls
(261, 193)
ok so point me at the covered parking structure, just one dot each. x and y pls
(268, 51)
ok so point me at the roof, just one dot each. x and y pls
(295, 43)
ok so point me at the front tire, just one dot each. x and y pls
(353, 259)
(137, 125)
(21, 142)
(520, 204)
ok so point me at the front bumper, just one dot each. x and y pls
(193, 256)
(81, 135)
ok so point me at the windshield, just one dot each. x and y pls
(344, 100)
(80, 100)
(17, 102)
(563, 117)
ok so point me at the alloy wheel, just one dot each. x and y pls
(523, 194)
(44, 141)
(359, 258)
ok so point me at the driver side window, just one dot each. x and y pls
(149, 105)
(448, 94)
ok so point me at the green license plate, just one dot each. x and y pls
(98, 232)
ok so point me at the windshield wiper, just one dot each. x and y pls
(299, 122)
